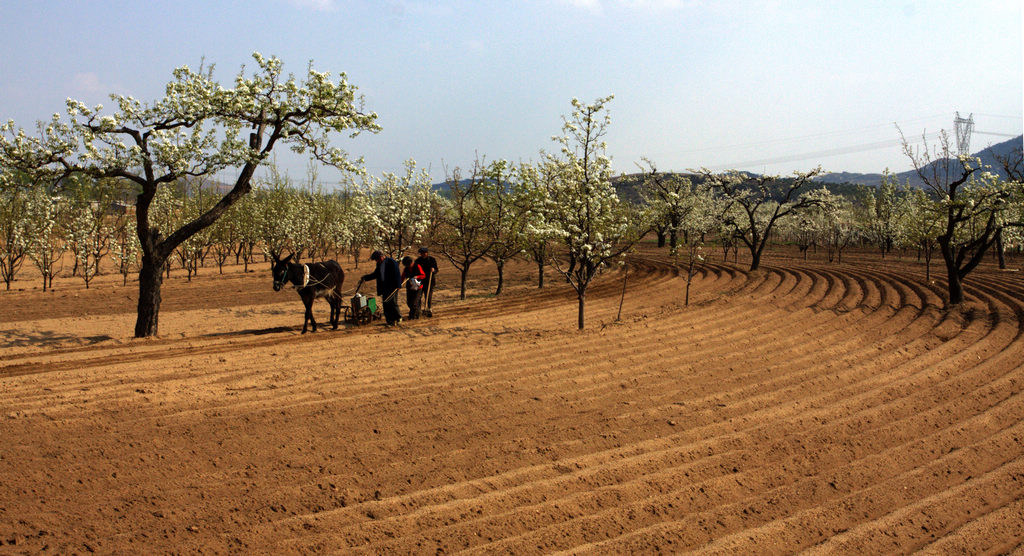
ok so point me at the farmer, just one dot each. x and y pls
(413, 277)
(429, 266)
(388, 280)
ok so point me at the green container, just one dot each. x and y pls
(372, 304)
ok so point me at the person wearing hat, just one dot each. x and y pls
(388, 280)
(429, 266)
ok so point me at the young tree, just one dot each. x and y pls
(536, 181)
(922, 221)
(124, 247)
(753, 204)
(225, 236)
(840, 226)
(193, 250)
(510, 205)
(47, 218)
(195, 130)
(593, 225)
(92, 221)
(358, 212)
(668, 198)
(1012, 164)
(463, 234)
(247, 215)
(806, 230)
(884, 208)
(14, 233)
(701, 218)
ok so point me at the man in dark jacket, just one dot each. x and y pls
(429, 266)
(388, 279)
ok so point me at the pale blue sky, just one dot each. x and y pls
(764, 86)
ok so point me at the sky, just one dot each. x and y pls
(764, 86)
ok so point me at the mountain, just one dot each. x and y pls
(988, 157)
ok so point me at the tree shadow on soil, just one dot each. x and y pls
(48, 338)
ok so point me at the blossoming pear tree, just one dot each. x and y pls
(885, 208)
(509, 199)
(399, 208)
(753, 204)
(667, 196)
(14, 232)
(972, 208)
(592, 224)
(462, 235)
(48, 241)
(538, 236)
(199, 128)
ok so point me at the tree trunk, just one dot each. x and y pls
(582, 296)
(150, 280)
(689, 278)
(927, 266)
(1000, 250)
(462, 287)
(540, 275)
(501, 276)
(622, 298)
(755, 259)
(955, 288)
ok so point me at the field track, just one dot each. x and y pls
(827, 408)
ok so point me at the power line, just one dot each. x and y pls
(837, 151)
(997, 134)
(820, 154)
(802, 137)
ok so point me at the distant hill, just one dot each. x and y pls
(987, 156)
(626, 185)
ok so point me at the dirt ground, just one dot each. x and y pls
(827, 408)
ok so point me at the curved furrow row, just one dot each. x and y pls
(847, 495)
(644, 494)
(999, 531)
(985, 418)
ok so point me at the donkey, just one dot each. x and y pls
(311, 280)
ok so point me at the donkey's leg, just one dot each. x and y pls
(307, 300)
(334, 298)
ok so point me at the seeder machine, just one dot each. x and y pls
(362, 310)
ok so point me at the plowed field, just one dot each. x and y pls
(828, 408)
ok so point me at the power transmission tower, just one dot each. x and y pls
(964, 128)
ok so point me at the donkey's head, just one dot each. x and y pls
(280, 269)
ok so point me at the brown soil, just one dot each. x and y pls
(806, 406)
